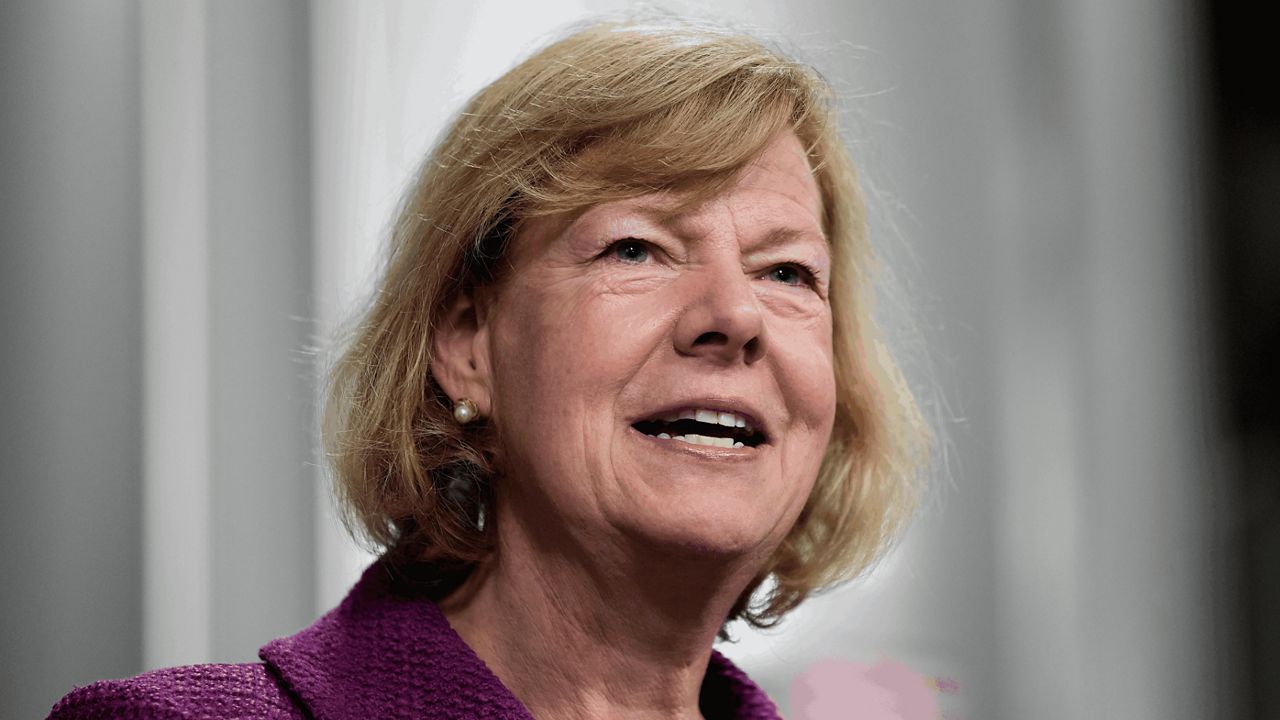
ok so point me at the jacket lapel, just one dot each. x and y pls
(382, 654)
(727, 693)
(388, 653)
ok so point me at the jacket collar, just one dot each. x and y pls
(385, 652)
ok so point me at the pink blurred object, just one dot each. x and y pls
(887, 690)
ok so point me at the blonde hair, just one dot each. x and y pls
(678, 107)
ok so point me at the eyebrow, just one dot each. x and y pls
(669, 219)
(785, 235)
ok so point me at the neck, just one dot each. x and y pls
(610, 632)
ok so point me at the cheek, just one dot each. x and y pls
(807, 376)
(533, 355)
(560, 357)
(533, 406)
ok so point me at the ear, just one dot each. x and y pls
(460, 347)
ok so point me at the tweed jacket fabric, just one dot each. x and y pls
(382, 653)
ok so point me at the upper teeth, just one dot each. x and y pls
(703, 440)
(713, 417)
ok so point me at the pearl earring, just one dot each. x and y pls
(465, 410)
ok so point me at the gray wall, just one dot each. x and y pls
(70, 354)
(111, 350)
(260, 332)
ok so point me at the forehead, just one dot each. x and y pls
(784, 168)
(777, 186)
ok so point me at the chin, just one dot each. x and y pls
(710, 528)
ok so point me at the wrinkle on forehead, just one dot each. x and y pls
(786, 155)
(783, 154)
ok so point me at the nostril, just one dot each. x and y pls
(711, 338)
(721, 345)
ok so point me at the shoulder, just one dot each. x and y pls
(248, 690)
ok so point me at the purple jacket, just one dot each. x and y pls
(380, 654)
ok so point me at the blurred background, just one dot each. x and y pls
(1077, 198)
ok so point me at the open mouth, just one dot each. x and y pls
(704, 427)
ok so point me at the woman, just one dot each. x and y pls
(619, 372)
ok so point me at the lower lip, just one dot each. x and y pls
(702, 451)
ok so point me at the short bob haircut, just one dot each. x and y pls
(612, 111)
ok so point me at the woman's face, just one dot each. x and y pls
(617, 321)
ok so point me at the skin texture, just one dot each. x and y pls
(621, 554)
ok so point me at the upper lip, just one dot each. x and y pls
(736, 405)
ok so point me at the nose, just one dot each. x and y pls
(722, 320)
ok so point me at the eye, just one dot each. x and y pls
(792, 274)
(630, 250)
